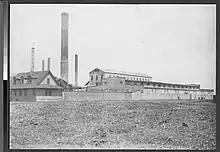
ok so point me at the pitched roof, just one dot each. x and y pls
(124, 73)
(62, 82)
(37, 78)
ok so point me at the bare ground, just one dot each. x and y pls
(134, 124)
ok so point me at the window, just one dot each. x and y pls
(97, 77)
(25, 92)
(15, 91)
(20, 93)
(159, 85)
(152, 90)
(22, 80)
(121, 82)
(48, 80)
(49, 92)
(29, 79)
(154, 85)
(34, 92)
(91, 77)
(101, 77)
(105, 82)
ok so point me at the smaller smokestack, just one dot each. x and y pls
(42, 65)
(48, 64)
(76, 69)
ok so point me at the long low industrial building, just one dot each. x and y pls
(110, 84)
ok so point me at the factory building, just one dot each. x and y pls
(142, 86)
(103, 77)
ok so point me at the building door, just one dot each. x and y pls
(45, 92)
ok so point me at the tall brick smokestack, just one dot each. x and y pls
(64, 47)
(76, 69)
(42, 65)
(48, 64)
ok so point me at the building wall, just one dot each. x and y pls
(114, 82)
(91, 96)
(153, 90)
(93, 81)
(144, 94)
(170, 94)
(48, 98)
(30, 96)
(52, 82)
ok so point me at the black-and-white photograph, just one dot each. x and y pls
(112, 76)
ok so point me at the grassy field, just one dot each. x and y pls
(134, 124)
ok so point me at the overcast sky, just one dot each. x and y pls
(171, 43)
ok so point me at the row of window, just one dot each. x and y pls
(47, 92)
(166, 90)
(127, 78)
(25, 92)
(174, 86)
(97, 78)
(131, 78)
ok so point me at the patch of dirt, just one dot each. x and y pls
(165, 125)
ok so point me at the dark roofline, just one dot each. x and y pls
(154, 82)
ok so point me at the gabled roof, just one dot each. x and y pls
(123, 72)
(37, 78)
(61, 82)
